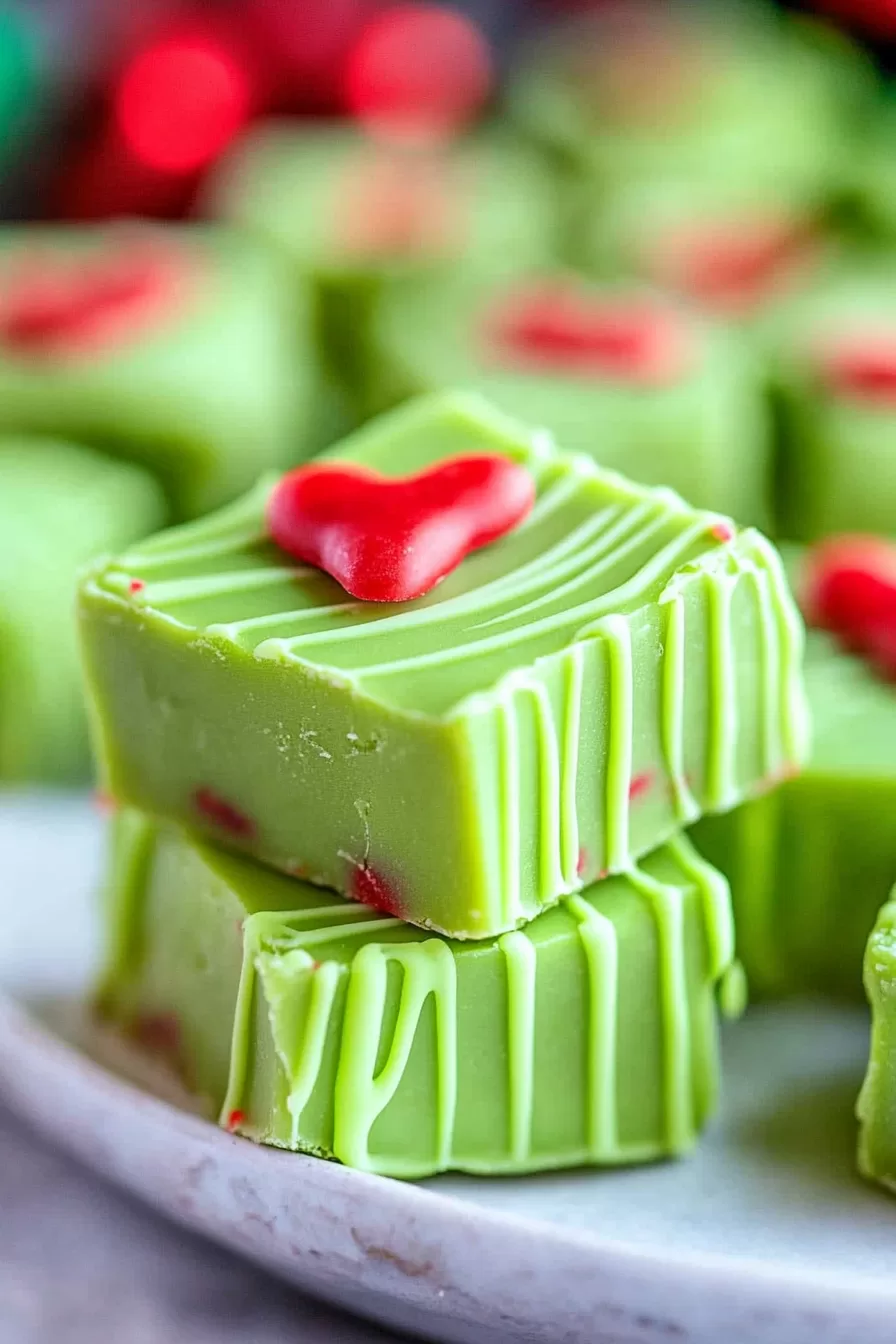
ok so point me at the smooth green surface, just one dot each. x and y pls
(589, 1037)
(705, 433)
(60, 506)
(566, 699)
(314, 192)
(207, 396)
(876, 1107)
(811, 863)
(837, 468)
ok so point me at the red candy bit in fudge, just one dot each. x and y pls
(562, 329)
(392, 540)
(223, 814)
(641, 784)
(862, 367)
(734, 265)
(369, 887)
(158, 1034)
(849, 588)
(60, 306)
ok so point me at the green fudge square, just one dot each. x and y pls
(833, 354)
(810, 863)
(700, 91)
(736, 248)
(356, 220)
(876, 1108)
(61, 505)
(175, 347)
(700, 425)
(565, 700)
(310, 1023)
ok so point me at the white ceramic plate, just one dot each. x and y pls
(765, 1236)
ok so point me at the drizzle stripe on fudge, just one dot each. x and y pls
(286, 945)
(528, 641)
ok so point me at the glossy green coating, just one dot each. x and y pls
(705, 432)
(60, 506)
(313, 1024)
(337, 205)
(213, 390)
(876, 1108)
(811, 862)
(837, 467)
(565, 700)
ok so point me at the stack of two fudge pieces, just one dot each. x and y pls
(403, 882)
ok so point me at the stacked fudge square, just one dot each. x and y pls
(404, 883)
(146, 374)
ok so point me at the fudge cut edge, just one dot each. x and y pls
(876, 1106)
(472, 819)
(311, 1024)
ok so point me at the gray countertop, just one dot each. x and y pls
(81, 1264)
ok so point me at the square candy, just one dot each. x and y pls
(637, 90)
(563, 701)
(811, 862)
(177, 348)
(632, 377)
(356, 219)
(833, 356)
(60, 506)
(313, 1024)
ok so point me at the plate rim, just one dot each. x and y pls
(515, 1288)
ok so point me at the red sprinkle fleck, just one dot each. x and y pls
(371, 889)
(849, 588)
(561, 328)
(722, 532)
(640, 785)
(223, 814)
(52, 305)
(235, 1119)
(392, 540)
(862, 366)
(158, 1033)
(136, 586)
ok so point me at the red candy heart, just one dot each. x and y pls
(557, 328)
(52, 305)
(391, 540)
(849, 588)
(730, 266)
(862, 366)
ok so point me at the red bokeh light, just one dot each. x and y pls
(418, 71)
(180, 101)
(877, 17)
